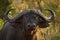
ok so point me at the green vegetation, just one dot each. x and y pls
(1, 23)
(52, 32)
(55, 36)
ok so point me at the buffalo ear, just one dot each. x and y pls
(43, 24)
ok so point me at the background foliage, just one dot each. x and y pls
(50, 33)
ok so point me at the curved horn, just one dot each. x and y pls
(6, 15)
(21, 14)
(51, 18)
(52, 15)
(15, 18)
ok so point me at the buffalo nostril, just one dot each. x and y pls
(33, 26)
(29, 25)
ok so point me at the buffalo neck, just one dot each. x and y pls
(31, 37)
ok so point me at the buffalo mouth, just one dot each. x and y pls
(30, 31)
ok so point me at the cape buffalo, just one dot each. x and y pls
(24, 25)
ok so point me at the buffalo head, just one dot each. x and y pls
(30, 19)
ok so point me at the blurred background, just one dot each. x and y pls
(50, 33)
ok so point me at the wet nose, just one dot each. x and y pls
(31, 26)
